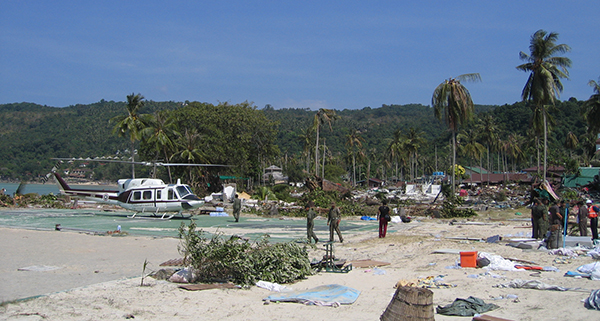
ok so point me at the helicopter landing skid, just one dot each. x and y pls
(165, 216)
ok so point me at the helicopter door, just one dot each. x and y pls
(160, 202)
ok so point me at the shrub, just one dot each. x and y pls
(240, 261)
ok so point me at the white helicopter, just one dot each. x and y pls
(141, 195)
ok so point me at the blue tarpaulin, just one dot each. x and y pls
(331, 294)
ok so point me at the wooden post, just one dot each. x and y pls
(410, 304)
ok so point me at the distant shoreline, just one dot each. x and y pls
(76, 182)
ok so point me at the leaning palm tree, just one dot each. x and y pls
(543, 86)
(131, 124)
(323, 116)
(452, 101)
(591, 108)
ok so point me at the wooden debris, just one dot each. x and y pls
(368, 263)
(173, 262)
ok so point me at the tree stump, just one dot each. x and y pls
(410, 304)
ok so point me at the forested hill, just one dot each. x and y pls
(375, 125)
(31, 134)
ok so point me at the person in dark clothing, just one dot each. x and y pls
(310, 224)
(555, 217)
(543, 220)
(383, 215)
(563, 210)
(582, 216)
(593, 216)
(237, 207)
(535, 216)
(539, 216)
(333, 220)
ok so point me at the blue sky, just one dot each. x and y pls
(290, 54)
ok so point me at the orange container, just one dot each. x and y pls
(468, 259)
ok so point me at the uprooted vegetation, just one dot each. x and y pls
(240, 261)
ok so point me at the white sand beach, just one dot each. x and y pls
(98, 278)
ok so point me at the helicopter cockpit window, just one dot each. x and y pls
(147, 195)
(183, 191)
(137, 195)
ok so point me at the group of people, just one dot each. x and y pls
(549, 223)
(333, 221)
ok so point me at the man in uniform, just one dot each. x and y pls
(543, 223)
(333, 220)
(310, 224)
(237, 207)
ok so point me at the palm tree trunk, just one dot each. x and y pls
(488, 165)
(323, 169)
(353, 170)
(545, 143)
(132, 160)
(537, 145)
(168, 167)
(317, 154)
(453, 163)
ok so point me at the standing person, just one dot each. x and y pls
(237, 207)
(383, 215)
(556, 222)
(543, 221)
(563, 210)
(593, 216)
(333, 220)
(310, 224)
(555, 217)
(535, 217)
(582, 218)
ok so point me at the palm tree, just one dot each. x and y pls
(488, 132)
(395, 147)
(160, 132)
(470, 147)
(321, 117)
(543, 86)
(189, 148)
(452, 101)
(354, 146)
(592, 108)
(412, 143)
(306, 139)
(513, 148)
(131, 124)
(571, 143)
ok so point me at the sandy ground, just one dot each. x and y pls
(98, 278)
